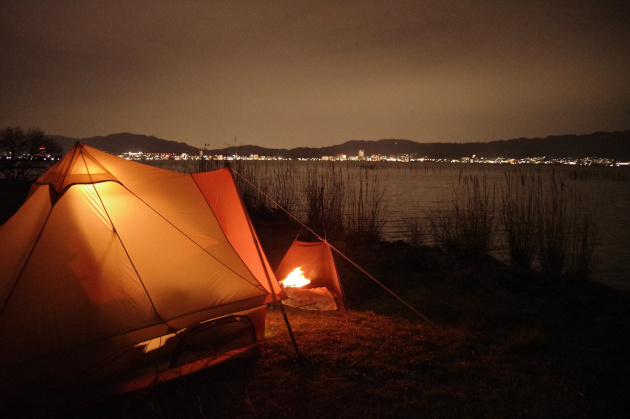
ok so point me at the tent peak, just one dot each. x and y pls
(80, 165)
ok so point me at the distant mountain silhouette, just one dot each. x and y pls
(125, 142)
(613, 145)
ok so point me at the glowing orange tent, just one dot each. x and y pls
(116, 275)
(317, 264)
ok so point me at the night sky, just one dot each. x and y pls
(315, 73)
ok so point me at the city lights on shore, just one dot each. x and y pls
(361, 156)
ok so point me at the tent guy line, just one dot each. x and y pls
(339, 252)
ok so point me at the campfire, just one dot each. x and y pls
(318, 298)
(295, 279)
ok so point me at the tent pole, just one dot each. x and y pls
(262, 256)
(286, 320)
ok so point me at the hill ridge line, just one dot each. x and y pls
(614, 145)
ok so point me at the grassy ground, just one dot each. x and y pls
(375, 365)
(503, 344)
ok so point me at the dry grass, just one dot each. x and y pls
(325, 195)
(367, 207)
(504, 345)
(518, 215)
(374, 365)
(466, 226)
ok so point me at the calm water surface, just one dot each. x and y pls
(608, 196)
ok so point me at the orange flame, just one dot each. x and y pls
(295, 279)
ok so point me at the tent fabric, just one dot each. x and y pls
(220, 191)
(318, 265)
(107, 253)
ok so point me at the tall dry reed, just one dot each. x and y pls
(250, 185)
(581, 255)
(366, 205)
(577, 227)
(414, 229)
(542, 220)
(325, 195)
(467, 225)
(284, 190)
(553, 224)
(268, 185)
(519, 213)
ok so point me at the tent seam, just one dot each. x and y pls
(30, 254)
(228, 240)
(193, 241)
(115, 231)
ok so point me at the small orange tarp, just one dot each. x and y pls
(316, 261)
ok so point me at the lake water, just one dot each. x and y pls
(606, 190)
(416, 189)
